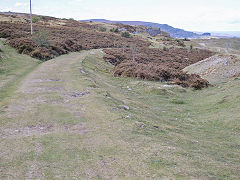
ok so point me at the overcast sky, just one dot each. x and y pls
(194, 15)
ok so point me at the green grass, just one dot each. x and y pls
(201, 127)
(13, 68)
(169, 132)
(220, 45)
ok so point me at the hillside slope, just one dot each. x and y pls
(174, 32)
(53, 37)
(67, 120)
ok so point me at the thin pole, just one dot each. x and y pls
(31, 16)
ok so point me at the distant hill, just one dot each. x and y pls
(174, 32)
(227, 34)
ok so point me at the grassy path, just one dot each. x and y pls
(65, 122)
(56, 126)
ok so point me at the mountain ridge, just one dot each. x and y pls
(174, 32)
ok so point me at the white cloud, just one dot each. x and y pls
(19, 4)
(6, 9)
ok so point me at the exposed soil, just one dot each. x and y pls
(158, 65)
(217, 68)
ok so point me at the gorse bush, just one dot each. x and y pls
(180, 43)
(126, 34)
(41, 38)
(102, 29)
(35, 19)
(116, 30)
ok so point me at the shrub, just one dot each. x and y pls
(165, 48)
(43, 18)
(35, 19)
(180, 43)
(41, 38)
(18, 36)
(102, 29)
(116, 30)
(125, 34)
(158, 65)
(191, 47)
